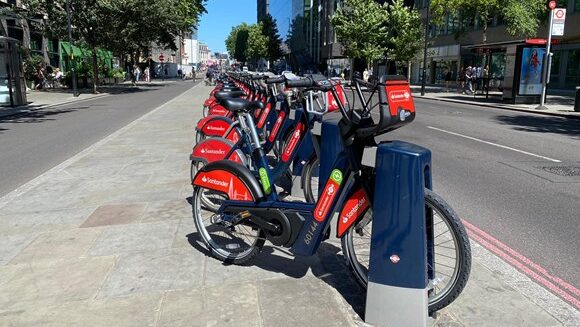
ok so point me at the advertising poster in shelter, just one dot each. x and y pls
(531, 71)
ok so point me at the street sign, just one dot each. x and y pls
(161, 57)
(558, 21)
(552, 4)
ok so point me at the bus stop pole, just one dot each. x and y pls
(73, 72)
(546, 68)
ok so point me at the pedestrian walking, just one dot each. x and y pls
(40, 79)
(366, 75)
(146, 74)
(469, 76)
(137, 73)
(193, 74)
(460, 80)
(448, 79)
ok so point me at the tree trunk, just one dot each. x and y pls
(95, 71)
(409, 72)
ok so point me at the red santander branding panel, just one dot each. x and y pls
(277, 126)
(224, 182)
(214, 149)
(399, 95)
(353, 208)
(216, 127)
(264, 115)
(332, 104)
(233, 135)
(218, 110)
(328, 195)
(294, 140)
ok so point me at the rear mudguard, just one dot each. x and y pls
(353, 209)
(215, 149)
(214, 125)
(230, 178)
(209, 102)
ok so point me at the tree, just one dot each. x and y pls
(124, 26)
(361, 27)
(237, 42)
(405, 33)
(521, 17)
(257, 43)
(270, 31)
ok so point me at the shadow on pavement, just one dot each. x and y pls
(38, 116)
(331, 268)
(542, 124)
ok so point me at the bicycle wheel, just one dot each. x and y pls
(232, 244)
(199, 136)
(205, 111)
(310, 179)
(452, 252)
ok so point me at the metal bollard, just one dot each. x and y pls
(577, 99)
(398, 276)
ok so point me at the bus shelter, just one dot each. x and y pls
(12, 83)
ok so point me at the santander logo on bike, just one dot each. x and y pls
(354, 210)
(215, 128)
(215, 181)
(398, 96)
(211, 151)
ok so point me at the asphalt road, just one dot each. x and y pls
(496, 168)
(34, 143)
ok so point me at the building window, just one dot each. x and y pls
(573, 69)
(576, 5)
(555, 69)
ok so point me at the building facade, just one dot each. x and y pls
(458, 43)
(203, 53)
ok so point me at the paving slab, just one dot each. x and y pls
(54, 282)
(135, 311)
(115, 214)
(57, 245)
(145, 272)
(167, 210)
(134, 238)
(10, 246)
(300, 302)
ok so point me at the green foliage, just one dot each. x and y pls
(521, 17)
(31, 64)
(405, 32)
(117, 73)
(361, 27)
(122, 26)
(257, 43)
(270, 30)
(237, 42)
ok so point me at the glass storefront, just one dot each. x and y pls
(573, 69)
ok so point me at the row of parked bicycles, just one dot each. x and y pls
(260, 140)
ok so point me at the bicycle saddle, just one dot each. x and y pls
(220, 95)
(240, 105)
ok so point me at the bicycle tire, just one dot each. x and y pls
(221, 252)
(462, 268)
(309, 181)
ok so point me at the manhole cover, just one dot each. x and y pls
(562, 170)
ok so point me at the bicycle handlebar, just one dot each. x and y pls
(272, 80)
(301, 82)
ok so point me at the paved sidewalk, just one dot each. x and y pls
(558, 105)
(106, 239)
(55, 97)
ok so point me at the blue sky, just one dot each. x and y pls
(221, 16)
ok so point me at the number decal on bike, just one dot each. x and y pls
(327, 197)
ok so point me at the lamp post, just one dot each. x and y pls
(69, 27)
(424, 75)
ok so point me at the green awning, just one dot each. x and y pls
(76, 51)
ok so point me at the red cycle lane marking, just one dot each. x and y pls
(523, 264)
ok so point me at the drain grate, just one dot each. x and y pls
(562, 170)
